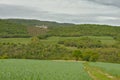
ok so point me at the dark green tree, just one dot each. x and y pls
(77, 54)
(90, 56)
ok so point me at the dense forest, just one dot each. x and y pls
(89, 42)
(8, 29)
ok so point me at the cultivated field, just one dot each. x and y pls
(21, 69)
(104, 39)
(41, 70)
(15, 40)
(108, 67)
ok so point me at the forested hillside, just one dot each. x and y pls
(8, 29)
(20, 26)
(33, 22)
(89, 42)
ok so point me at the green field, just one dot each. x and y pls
(104, 39)
(109, 68)
(15, 40)
(21, 69)
(41, 70)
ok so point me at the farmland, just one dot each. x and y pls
(22, 69)
(15, 40)
(108, 67)
(104, 39)
(41, 70)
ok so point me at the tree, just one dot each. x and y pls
(90, 56)
(35, 40)
(77, 54)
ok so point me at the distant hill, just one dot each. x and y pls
(26, 28)
(58, 40)
(9, 29)
(32, 22)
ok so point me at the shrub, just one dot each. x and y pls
(77, 54)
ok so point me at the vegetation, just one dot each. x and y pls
(41, 70)
(84, 42)
(8, 29)
(77, 54)
(15, 40)
(90, 56)
(21, 39)
(98, 74)
(113, 69)
(21, 69)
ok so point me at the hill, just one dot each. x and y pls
(8, 29)
(24, 26)
(22, 39)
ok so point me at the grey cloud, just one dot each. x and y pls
(14, 10)
(82, 13)
(89, 19)
(115, 3)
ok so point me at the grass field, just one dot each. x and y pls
(22, 69)
(15, 40)
(104, 39)
(41, 70)
(113, 69)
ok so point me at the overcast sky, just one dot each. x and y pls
(66, 11)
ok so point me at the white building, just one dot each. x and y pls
(43, 26)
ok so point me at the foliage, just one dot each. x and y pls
(8, 29)
(34, 50)
(90, 56)
(77, 54)
(84, 30)
(83, 42)
(58, 41)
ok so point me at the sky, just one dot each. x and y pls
(64, 11)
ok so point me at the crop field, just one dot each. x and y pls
(15, 40)
(113, 69)
(22, 69)
(104, 39)
(12, 69)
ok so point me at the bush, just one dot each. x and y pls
(77, 54)
(90, 56)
